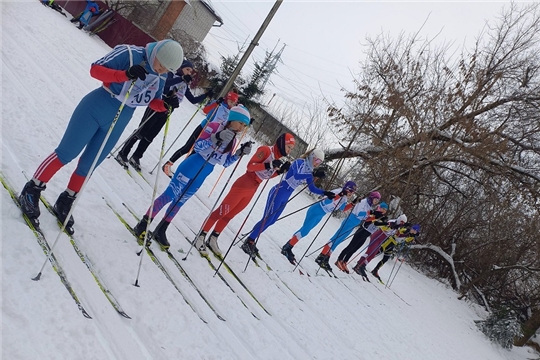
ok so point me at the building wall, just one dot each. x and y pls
(196, 20)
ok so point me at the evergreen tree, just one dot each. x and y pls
(501, 327)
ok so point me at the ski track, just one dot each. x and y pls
(334, 319)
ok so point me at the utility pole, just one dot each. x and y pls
(250, 48)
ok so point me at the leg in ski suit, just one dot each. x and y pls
(313, 216)
(185, 182)
(277, 198)
(377, 238)
(359, 238)
(347, 226)
(188, 145)
(87, 128)
(237, 199)
(153, 123)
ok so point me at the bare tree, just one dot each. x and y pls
(456, 137)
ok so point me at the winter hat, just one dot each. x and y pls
(316, 154)
(239, 113)
(231, 95)
(383, 205)
(374, 195)
(170, 54)
(350, 186)
(401, 219)
(282, 141)
(186, 63)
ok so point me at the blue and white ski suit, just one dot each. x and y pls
(299, 173)
(317, 211)
(192, 172)
(358, 214)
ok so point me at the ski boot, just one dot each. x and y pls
(167, 169)
(286, 250)
(361, 270)
(160, 236)
(375, 272)
(122, 159)
(61, 209)
(200, 244)
(29, 200)
(320, 259)
(342, 265)
(249, 248)
(133, 161)
(140, 228)
(213, 244)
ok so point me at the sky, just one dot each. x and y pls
(299, 317)
(325, 39)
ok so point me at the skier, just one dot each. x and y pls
(216, 111)
(176, 87)
(215, 146)
(91, 9)
(264, 165)
(389, 246)
(369, 226)
(93, 117)
(301, 171)
(54, 6)
(360, 211)
(317, 211)
(394, 228)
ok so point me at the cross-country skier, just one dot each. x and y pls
(394, 228)
(265, 164)
(369, 226)
(91, 9)
(388, 247)
(93, 117)
(315, 214)
(215, 146)
(217, 111)
(300, 172)
(176, 88)
(360, 211)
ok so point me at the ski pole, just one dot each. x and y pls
(266, 217)
(92, 167)
(181, 132)
(318, 233)
(295, 195)
(399, 267)
(223, 170)
(214, 206)
(241, 226)
(154, 193)
(303, 208)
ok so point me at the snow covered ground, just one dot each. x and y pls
(45, 72)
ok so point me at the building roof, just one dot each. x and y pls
(210, 8)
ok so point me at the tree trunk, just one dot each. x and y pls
(529, 328)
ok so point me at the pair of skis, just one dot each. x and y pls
(33, 224)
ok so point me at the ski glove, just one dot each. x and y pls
(187, 78)
(224, 136)
(136, 72)
(220, 100)
(319, 174)
(171, 100)
(275, 164)
(284, 168)
(329, 194)
(245, 149)
(209, 93)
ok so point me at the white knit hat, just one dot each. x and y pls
(170, 54)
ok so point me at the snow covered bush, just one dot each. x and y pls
(501, 327)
